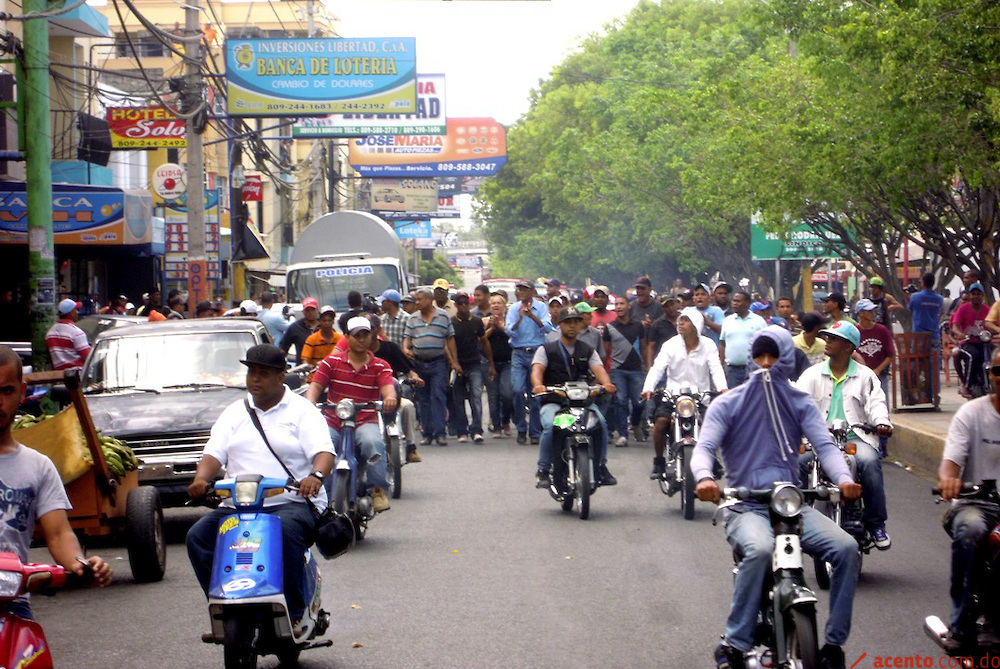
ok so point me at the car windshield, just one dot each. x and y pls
(174, 361)
(330, 285)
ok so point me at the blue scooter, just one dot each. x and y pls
(246, 599)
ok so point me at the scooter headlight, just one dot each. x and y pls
(577, 394)
(787, 501)
(686, 407)
(245, 492)
(345, 409)
(10, 583)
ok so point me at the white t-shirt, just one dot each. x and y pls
(30, 487)
(973, 441)
(296, 431)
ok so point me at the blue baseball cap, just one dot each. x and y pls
(977, 286)
(392, 296)
(844, 330)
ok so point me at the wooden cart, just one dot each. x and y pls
(104, 506)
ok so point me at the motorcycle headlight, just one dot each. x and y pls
(345, 409)
(577, 394)
(245, 492)
(686, 407)
(10, 583)
(787, 501)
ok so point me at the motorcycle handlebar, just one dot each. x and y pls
(744, 494)
(562, 389)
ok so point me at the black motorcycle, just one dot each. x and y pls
(979, 346)
(848, 515)
(575, 428)
(987, 579)
(687, 410)
(786, 619)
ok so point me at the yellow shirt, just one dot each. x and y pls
(815, 353)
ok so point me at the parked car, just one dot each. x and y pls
(97, 323)
(161, 386)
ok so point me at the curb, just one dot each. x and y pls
(920, 449)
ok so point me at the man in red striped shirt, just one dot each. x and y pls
(358, 375)
(68, 346)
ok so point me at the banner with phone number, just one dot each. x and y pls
(472, 147)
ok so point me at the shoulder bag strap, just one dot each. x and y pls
(260, 429)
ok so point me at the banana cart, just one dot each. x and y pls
(103, 504)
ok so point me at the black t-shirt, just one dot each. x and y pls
(632, 332)
(467, 334)
(661, 331)
(297, 334)
(393, 354)
(500, 345)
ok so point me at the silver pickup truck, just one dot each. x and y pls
(161, 386)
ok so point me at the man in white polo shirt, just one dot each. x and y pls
(297, 432)
(738, 329)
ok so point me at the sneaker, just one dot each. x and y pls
(426, 441)
(727, 657)
(659, 468)
(522, 437)
(506, 430)
(380, 502)
(412, 455)
(477, 438)
(881, 539)
(462, 439)
(621, 442)
(604, 477)
(541, 479)
(441, 441)
(954, 645)
(831, 657)
(534, 441)
(496, 434)
(638, 433)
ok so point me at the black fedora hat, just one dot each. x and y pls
(265, 355)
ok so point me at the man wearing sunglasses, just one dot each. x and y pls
(971, 454)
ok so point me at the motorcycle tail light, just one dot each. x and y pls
(245, 492)
(850, 448)
(787, 501)
(10, 583)
(686, 407)
(345, 409)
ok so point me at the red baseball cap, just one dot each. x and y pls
(310, 302)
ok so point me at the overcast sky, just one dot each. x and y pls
(492, 51)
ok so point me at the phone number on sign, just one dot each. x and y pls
(460, 167)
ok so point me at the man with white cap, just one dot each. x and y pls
(68, 346)
(846, 390)
(357, 374)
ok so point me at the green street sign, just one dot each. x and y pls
(799, 243)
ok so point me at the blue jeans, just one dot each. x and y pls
(548, 414)
(298, 525)
(498, 396)
(735, 375)
(629, 384)
(432, 396)
(468, 388)
(520, 384)
(368, 437)
(749, 529)
(869, 476)
(968, 524)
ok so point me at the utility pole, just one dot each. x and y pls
(197, 263)
(36, 132)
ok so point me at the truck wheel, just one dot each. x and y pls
(147, 548)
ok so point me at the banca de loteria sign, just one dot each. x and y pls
(301, 77)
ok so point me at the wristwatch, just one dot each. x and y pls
(318, 474)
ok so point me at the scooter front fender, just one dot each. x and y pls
(788, 593)
(247, 562)
(24, 643)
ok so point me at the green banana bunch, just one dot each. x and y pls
(27, 420)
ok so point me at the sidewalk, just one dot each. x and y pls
(918, 436)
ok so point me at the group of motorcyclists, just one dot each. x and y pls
(750, 361)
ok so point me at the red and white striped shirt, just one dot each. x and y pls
(337, 374)
(68, 346)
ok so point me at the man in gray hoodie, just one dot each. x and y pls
(758, 427)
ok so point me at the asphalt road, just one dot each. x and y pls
(473, 567)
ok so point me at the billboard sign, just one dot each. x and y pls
(429, 119)
(472, 147)
(252, 189)
(455, 185)
(413, 229)
(800, 242)
(404, 195)
(81, 214)
(176, 260)
(145, 128)
(303, 77)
